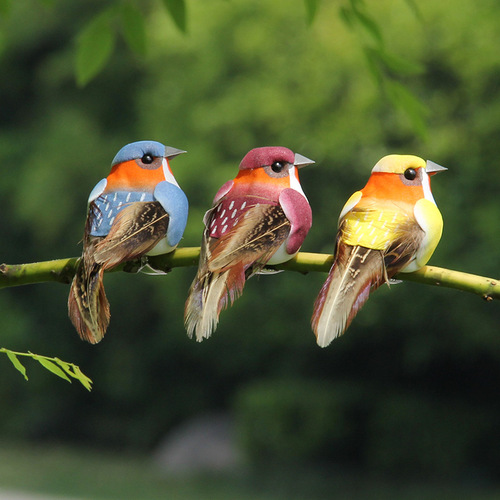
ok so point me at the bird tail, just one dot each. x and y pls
(355, 272)
(209, 294)
(88, 307)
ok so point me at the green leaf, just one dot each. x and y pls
(415, 9)
(177, 11)
(95, 44)
(400, 65)
(74, 371)
(134, 30)
(52, 367)
(404, 99)
(17, 364)
(373, 63)
(84, 380)
(346, 16)
(311, 9)
(370, 26)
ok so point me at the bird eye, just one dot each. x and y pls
(278, 166)
(410, 174)
(147, 159)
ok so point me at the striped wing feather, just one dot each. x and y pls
(356, 271)
(226, 263)
(136, 230)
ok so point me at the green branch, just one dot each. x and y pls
(62, 271)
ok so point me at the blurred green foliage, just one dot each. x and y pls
(413, 385)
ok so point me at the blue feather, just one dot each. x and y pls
(175, 203)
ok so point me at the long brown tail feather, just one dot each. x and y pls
(208, 296)
(356, 271)
(88, 307)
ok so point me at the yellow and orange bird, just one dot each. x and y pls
(392, 225)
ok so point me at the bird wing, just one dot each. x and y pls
(298, 211)
(430, 220)
(258, 233)
(98, 190)
(136, 230)
(228, 258)
(175, 203)
(372, 246)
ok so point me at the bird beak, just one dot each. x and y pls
(172, 152)
(433, 168)
(302, 161)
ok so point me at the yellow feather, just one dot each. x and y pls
(430, 220)
(374, 229)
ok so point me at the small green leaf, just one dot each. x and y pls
(400, 65)
(52, 367)
(15, 361)
(415, 9)
(404, 99)
(177, 11)
(134, 30)
(95, 44)
(311, 9)
(84, 380)
(373, 63)
(346, 16)
(74, 371)
(370, 26)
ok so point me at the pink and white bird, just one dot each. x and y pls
(261, 217)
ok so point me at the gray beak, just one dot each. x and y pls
(433, 168)
(172, 152)
(302, 161)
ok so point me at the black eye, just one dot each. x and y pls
(278, 166)
(147, 159)
(410, 174)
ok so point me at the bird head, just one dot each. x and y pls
(141, 165)
(403, 174)
(272, 165)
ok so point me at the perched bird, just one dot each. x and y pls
(392, 225)
(139, 209)
(261, 217)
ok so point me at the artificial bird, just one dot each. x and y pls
(392, 225)
(260, 217)
(138, 209)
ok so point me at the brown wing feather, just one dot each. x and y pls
(136, 230)
(226, 262)
(255, 238)
(356, 272)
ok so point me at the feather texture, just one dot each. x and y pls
(227, 261)
(355, 273)
(136, 230)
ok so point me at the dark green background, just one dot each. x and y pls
(412, 387)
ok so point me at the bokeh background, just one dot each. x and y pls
(409, 394)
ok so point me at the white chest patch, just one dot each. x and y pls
(294, 181)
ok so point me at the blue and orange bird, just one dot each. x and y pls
(260, 217)
(392, 225)
(139, 209)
